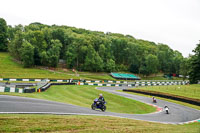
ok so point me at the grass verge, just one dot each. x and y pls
(87, 124)
(84, 96)
(191, 91)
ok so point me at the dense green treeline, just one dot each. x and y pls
(85, 50)
(194, 65)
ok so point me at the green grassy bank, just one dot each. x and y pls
(87, 124)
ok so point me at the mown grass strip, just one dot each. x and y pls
(85, 124)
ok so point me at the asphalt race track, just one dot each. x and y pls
(178, 114)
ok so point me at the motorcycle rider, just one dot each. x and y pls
(166, 109)
(101, 99)
(99, 103)
(154, 99)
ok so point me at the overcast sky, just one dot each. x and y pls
(172, 22)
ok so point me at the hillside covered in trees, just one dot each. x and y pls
(85, 50)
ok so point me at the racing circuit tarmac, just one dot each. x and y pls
(178, 114)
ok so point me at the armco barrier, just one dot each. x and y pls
(168, 96)
(45, 87)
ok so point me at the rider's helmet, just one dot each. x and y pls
(100, 95)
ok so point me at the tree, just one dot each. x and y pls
(44, 59)
(134, 68)
(177, 60)
(118, 46)
(150, 65)
(135, 56)
(70, 56)
(3, 35)
(81, 55)
(194, 73)
(184, 67)
(98, 66)
(165, 57)
(36, 38)
(16, 44)
(27, 52)
(89, 64)
(54, 53)
(102, 51)
(93, 61)
(110, 65)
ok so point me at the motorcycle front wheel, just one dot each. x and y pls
(103, 108)
(167, 112)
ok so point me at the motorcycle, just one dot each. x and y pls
(154, 101)
(98, 105)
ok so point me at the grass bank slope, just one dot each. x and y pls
(87, 124)
(11, 69)
(84, 96)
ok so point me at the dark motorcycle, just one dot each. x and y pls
(154, 101)
(98, 105)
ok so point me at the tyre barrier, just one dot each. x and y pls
(132, 85)
(139, 82)
(29, 90)
(98, 81)
(168, 96)
(11, 89)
